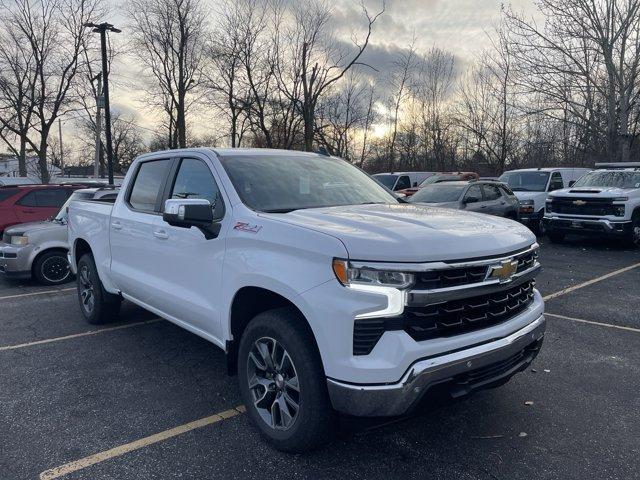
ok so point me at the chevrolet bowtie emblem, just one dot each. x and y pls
(504, 271)
(579, 202)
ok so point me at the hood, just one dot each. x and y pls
(412, 233)
(593, 191)
(23, 228)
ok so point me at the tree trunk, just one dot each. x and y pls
(309, 127)
(42, 158)
(181, 123)
(22, 157)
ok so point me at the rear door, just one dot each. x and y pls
(494, 203)
(135, 265)
(190, 273)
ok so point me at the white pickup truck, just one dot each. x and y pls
(326, 292)
(605, 202)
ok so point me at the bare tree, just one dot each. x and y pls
(309, 56)
(585, 59)
(169, 39)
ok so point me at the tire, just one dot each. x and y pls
(96, 304)
(633, 240)
(52, 268)
(555, 237)
(284, 333)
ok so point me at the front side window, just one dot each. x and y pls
(279, 184)
(474, 194)
(194, 180)
(530, 181)
(148, 184)
(388, 181)
(403, 182)
(29, 200)
(620, 179)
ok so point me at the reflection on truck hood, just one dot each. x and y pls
(596, 191)
(412, 233)
(23, 228)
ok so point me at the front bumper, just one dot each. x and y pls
(526, 216)
(14, 261)
(588, 226)
(463, 371)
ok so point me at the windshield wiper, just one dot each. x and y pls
(280, 210)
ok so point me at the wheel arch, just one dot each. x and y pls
(42, 252)
(248, 302)
(81, 247)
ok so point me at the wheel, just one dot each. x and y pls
(97, 305)
(52, 268)
(537, 227)
(282, 382)
(634, 235)
(555, 237)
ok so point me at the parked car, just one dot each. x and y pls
(441, 177)
(532, 186)
(31, 203)
(480, 196)
(604, 202)
(39, 249)
(326, 293)
(401, 180)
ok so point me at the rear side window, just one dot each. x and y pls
(148, 184)
(491, 192)
(403, 183)
(474, 192)
(52, 197)
(8, 192)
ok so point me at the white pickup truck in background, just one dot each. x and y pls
(327, 294)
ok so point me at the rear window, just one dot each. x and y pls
(45, 198)
(7, 192)
(147, 185)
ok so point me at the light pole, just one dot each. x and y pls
(102, 29)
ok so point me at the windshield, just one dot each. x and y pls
(533, 181)
(439, 178)
(438, 193)
(280, 184)
(388, 181)
(620, 179)
(62, 214)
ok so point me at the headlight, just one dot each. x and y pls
(19, 240)
(526, 202)
(349, 275)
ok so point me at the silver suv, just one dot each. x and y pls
(39, 249)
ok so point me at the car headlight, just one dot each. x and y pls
(349, 275)
(526, 202)
(19, 240)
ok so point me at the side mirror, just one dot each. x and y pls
(193, 212)
(468, 200)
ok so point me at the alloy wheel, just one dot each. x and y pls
(87, 295)
(55, 269)
(273, 383)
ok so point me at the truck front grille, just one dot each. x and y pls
(598, 207)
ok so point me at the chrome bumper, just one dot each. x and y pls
(14, 261)
(466, 370)
(587, 225)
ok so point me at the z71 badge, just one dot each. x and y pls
(247, 227)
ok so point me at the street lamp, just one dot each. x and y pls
(102, 29)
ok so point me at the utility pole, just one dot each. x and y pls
(102, 29)
(61, 150)
(99, 107)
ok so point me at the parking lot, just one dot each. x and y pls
(145, 399)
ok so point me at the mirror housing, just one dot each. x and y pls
(194, 212)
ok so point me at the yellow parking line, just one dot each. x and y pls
(590, 282)
(8, 297)
(137, 444)
(590, 322)
(77, 335)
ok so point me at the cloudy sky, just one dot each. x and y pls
(460, 26)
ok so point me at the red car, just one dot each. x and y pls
(31, 203)
(441, 177)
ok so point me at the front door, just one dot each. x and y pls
(191, 266)
(473, 200)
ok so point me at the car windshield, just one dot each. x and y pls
(280, 184)
(533, 181)
(620, 179)
(440, 178)
(62, 214)
(438, 193)
(388, 181)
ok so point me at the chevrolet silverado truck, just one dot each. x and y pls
(328, 294)
(605, 202)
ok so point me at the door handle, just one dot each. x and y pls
(116, 225)
(161, 234)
